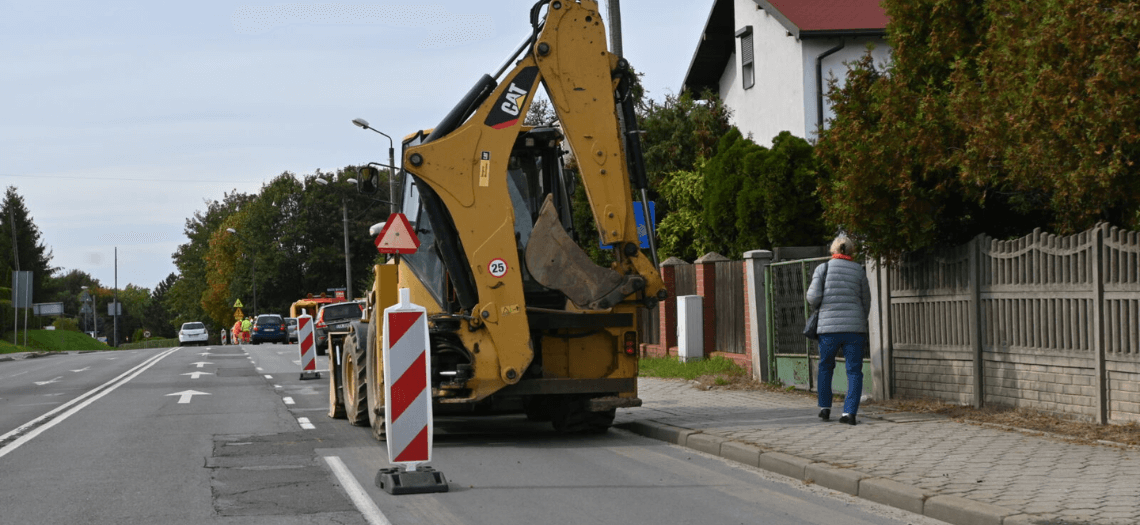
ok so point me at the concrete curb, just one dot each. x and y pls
(951, 509)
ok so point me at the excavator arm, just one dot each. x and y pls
(461, 169)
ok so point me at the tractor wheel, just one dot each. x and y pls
(374, 371)
(569, 416)
(355, 383)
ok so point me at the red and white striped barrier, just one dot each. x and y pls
(308, 347)
(407, 388)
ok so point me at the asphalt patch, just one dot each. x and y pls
(273, 475)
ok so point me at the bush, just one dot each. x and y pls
(63, 323)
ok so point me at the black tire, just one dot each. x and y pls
(374, 373)
(354, 380)
(537, 408)
(569, 416)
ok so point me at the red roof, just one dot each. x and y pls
(831, 15)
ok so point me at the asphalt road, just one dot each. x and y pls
(233, 435)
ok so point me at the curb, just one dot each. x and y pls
(951, 509)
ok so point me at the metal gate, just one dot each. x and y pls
(793, 358)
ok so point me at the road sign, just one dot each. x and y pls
(47, 309)
(237, 304)
(406, 383)
(407, 398)
(397, 236)
(307, 346)
(642, 230)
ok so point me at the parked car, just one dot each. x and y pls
(269, 328)
(291, 327)
(193, 333)
(334, 318)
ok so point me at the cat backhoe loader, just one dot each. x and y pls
(519, 315)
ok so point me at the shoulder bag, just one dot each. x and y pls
(812, 323)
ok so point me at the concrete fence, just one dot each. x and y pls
(1043, 322)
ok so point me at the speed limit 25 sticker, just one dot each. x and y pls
(497, 268)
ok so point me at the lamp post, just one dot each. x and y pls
(391, 163)
(86, 298)
(347, 254)
(252, 267)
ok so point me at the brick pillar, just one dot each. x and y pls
(706, 288)
(667, 309)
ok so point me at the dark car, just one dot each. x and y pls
(334, 318)
(291, 327)
(269, 328)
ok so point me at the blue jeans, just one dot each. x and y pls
(852, 345)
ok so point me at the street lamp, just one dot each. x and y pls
(347, 254)
(86, 298)
(391, 163)
(252, 268)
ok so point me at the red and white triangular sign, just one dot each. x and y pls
(397, 236)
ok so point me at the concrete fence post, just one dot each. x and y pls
(756, 311)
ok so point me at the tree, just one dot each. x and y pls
(994, 117)
(157, 317)
(19, 233)
(185, 296)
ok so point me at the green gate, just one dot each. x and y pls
(793, 359)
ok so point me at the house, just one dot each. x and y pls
(769, 60)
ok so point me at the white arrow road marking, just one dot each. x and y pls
(185, 395)
(196, 375)
(81, 369)
(42, 383)
(201, 364)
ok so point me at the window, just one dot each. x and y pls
(747, 62)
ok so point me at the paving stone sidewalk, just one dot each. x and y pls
(956, 472)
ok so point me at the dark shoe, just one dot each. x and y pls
(825, 414)
(847, 418)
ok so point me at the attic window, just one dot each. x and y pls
(747, 62)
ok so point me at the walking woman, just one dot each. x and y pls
(843, 302)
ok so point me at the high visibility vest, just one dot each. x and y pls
(245, 325)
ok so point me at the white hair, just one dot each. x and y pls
(842, 245)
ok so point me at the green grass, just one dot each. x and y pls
(673, 367)
(50, 341)
(151, 343)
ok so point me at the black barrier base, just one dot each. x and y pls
(310, 375)
(396, 481)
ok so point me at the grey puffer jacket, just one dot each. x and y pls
(848, 297)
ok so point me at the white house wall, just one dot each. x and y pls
(834, 64)
(784, 95)
(773, 104)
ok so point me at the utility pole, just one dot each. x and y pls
(615, 27)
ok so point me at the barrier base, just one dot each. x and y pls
(397, 481)
(310, 375)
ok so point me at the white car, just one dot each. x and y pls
(193, 334)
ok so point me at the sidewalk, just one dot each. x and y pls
(955, 472)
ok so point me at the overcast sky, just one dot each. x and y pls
(119, 120)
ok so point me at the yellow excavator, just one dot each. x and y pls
(519, 316)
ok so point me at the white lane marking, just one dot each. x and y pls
(305, 423)
(259, 369)
(185, 395)
(81, 370)
(94, 394)
(196, 375)
(42, 383)
(202, 363)
(267, 376)
(276, 386)
(297, 362)
(288, 400)
(356, 493)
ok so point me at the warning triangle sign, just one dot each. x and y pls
(237, 303)
(397, 236)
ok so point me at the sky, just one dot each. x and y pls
(121, 119)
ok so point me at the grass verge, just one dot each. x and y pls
(50, 341)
